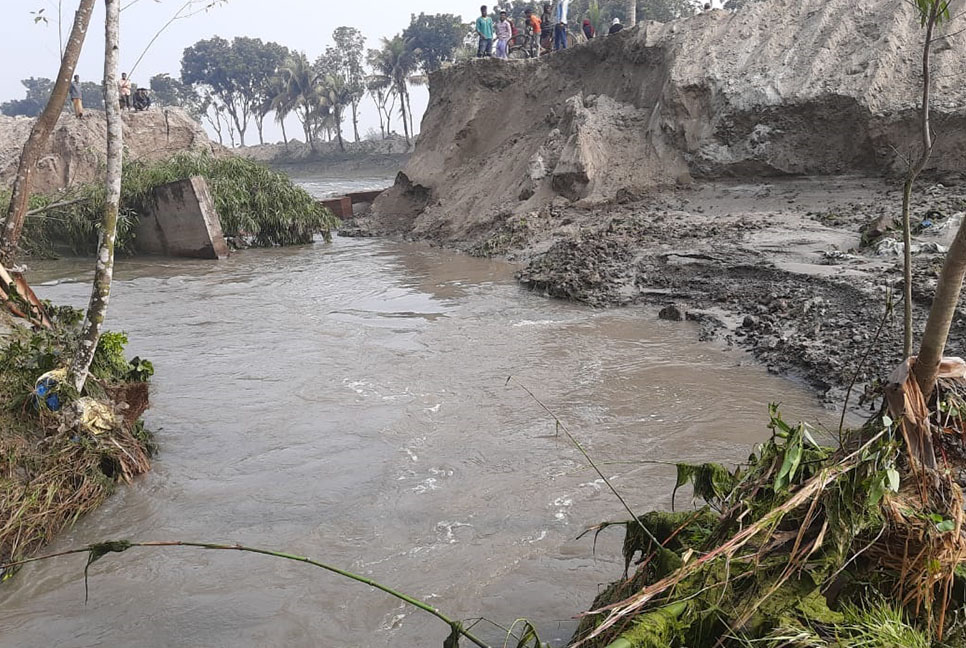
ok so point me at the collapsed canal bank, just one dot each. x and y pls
(726, 168)
(707, 166)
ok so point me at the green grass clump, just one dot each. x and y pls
(257, 207)
(52, 470)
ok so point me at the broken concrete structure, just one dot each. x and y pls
(182, 222)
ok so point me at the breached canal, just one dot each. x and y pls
(348, 402)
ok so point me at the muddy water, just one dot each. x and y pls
(348, 402)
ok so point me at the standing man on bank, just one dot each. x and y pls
(124, 87)
(484, 27)
(560, 26)
(504, 32)
(77, 97)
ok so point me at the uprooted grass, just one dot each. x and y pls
(805, 546)
(257, 207)
(52, 471)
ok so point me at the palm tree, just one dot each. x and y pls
(394, 65)
(300, 92)
(281, 103)
(336, 95)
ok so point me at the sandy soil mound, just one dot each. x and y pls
(77, 149)
(782, 87)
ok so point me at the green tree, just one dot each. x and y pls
(393, 68)
(299, 92)
(169, 91)
(263, 62)
(348, 58)
(436, 37)
(38, 93)
(238, 74)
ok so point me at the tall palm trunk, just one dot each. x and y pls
(40, 134)
(104, 270)
(402, 109)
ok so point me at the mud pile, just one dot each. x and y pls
(784, 87)
(77, 149)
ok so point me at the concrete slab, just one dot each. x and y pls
(182, 222)
(341, 207)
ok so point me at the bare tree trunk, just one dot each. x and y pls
(40, 134)
(260, 125)
(941, 315)
(950, 283)
(914, 172)
(409, 109)
(338, 128)
(284, 134)
(355, 119)
(104, 270)
(631, 11)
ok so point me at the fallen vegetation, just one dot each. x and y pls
(258, 207)
(62, 453)
(806, 545)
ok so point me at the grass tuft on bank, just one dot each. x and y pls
(55, 466)
(806, 545)
(258, 207)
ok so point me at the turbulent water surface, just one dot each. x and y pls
(348, 401)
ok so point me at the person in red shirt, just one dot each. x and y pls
(534, 26)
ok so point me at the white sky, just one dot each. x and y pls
(28, 49)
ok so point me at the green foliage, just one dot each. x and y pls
(238, 74)
(28, 354)
(655, 629)
(711, 482)
(880, 625)
(602, 12)
(772, 591)
(257, 206)
(168, 91)
(926, 7)
(38, 93)
(436, 37)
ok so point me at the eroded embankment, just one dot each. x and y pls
(610, 170)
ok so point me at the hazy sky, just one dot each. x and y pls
(30, 49)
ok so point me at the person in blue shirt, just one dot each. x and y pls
(560, 26)
(484, 27)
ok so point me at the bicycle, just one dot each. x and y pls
(523, 46)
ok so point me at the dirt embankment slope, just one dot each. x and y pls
(655, 166)
(77, 150)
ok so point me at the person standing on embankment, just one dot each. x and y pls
(484, 27)
(77, 97)
(504, 32)
(560, 27)
(124, 87)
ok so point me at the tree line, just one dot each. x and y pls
(234, 85)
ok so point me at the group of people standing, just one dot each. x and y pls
(142, 100)
(553, 22)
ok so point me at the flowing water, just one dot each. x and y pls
(348, 401)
